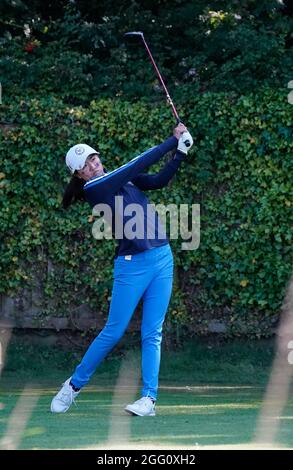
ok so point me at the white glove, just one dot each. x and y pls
(185, 142)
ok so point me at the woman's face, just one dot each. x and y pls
(92, 168)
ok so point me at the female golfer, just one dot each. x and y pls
(143, 266)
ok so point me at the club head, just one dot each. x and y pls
(133, 34)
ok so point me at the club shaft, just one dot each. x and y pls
(161, 81)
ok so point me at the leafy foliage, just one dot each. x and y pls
(239, 171)
(67, 76)
(76, 49)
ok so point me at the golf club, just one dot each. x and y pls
(139, 34)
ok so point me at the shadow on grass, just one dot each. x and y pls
(187, 417)
(210, 395)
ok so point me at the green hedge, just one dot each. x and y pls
(239, 171)
(77, 49)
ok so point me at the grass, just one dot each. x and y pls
(210, 395)
(200, 361)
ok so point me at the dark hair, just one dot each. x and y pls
(74, 192)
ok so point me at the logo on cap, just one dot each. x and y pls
(79, 150)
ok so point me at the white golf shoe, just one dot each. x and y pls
(142, 407)
(64, 398)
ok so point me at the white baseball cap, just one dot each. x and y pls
(77, 155)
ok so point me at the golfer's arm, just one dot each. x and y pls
(100, 189)
(161, 179)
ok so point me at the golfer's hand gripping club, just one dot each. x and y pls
(185, 142)
(188, 141)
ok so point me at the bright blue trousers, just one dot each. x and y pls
(147, 275)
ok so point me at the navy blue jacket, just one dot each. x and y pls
(128, 181)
